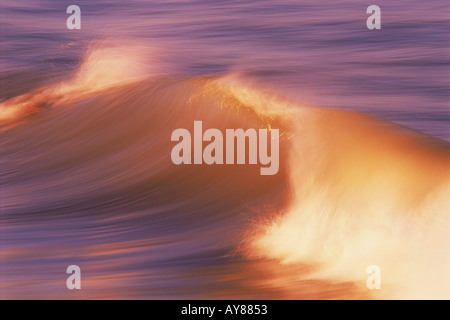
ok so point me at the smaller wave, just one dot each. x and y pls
(105, 65)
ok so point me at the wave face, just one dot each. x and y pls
(87, 179)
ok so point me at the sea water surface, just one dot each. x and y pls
(86, 177)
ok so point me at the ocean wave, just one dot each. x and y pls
(93, 151)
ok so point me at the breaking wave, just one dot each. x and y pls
(87, 176)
